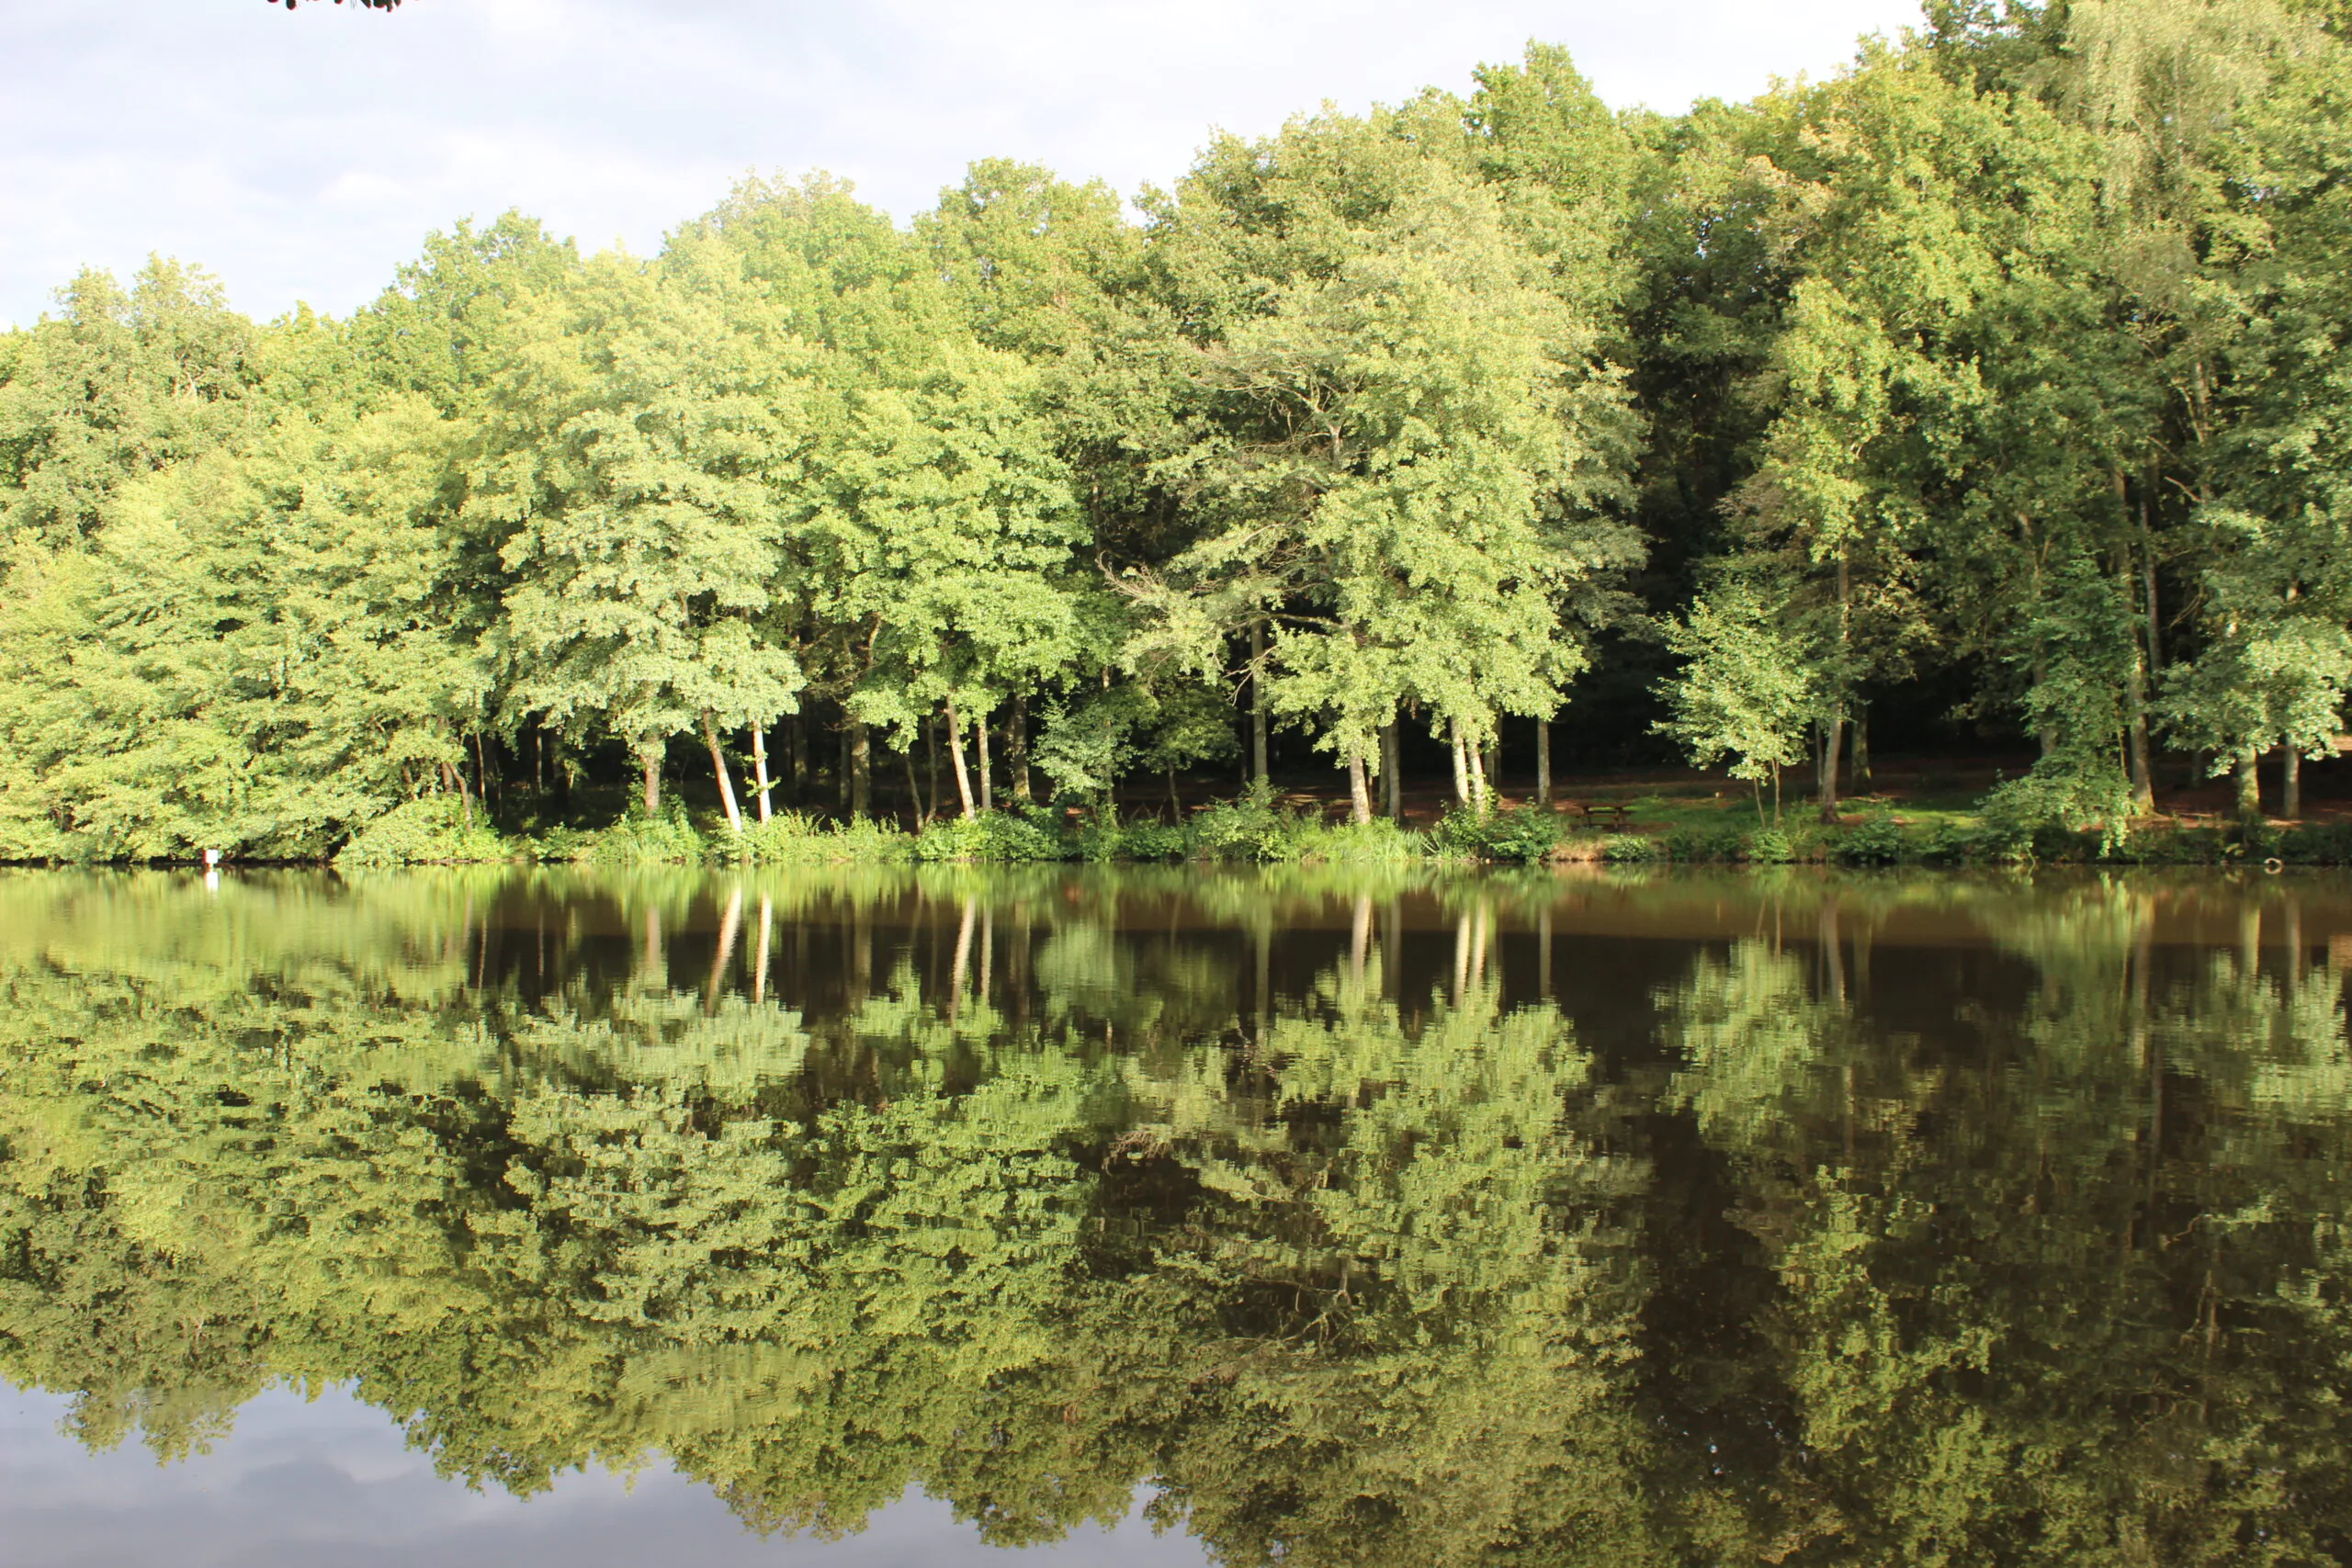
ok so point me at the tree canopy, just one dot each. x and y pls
(1991, 394)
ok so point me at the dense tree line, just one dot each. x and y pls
(2003, 378)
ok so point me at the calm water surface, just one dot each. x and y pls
(1322, 1218)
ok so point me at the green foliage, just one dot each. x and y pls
(1000, 837)
(1631, 849)
(2005, 376)
(434, 830)
(648, 838)
(791, 838)
(1527, 835)
(1877, 840)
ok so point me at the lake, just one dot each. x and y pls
(954, 1216)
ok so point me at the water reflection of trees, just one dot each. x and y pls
(1025, 1189)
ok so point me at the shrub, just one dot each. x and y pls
(1147, 840)
(790, 836)
(1877, 840)
(1768, 846)
(1020, 834)
(1250, 828)
(1631, 848)
(430, 830)
(639, 838)
(2327, 843)
(1378, 842)
(1695, 844)
(1525, 834)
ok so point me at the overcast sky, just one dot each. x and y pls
(303, 155)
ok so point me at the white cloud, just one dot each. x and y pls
(305, 155)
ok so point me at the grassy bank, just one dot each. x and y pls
(1652, 829)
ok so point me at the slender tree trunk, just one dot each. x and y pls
(1359, 790)
(1544, 761)
(718, 766)
(1258, 703)
(1478, 786)
(1392, 774)
(2135, 737)
(1833, 745)
(2249, 790)
(1016, 749)
(841, 776)
(2291, 791)
(1834, 742)
(1175, 807)
(914, 791)
(651, 763)
(1461, 768)
(760, 769)
(955, 756)
(931, 765)
(1858, 752)
(861, 770)
(981, 745)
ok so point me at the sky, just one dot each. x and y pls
(298, 1482)
(303, 155)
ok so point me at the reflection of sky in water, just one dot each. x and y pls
(330, 1482)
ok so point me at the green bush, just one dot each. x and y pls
(1019, 835)
(1378, 842)
(2318, 843)
(1701, 844)
(1249, 828)
(791, 838)
(1631, 848)
(1525, 835)
(639, 839)
(431, 830)
(1155, 840)
(1877, 840)
(1768, 846)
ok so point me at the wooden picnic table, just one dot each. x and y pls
(1600, 811)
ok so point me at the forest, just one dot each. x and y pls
(1992, 398)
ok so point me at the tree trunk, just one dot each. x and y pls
(2136, 738)
(1461, 768)
(981, 745)
(1544, 761)
(1491, 769)
(651, 763)
(1175, 807)
(1016, 749)
(1391, 775)
(914, 791)
(760, 769)
(2249, 790)
(718, 766)
(1857, 752)
(795, 739)
(1833, 743)
(1359, 790)
(1257, 704)
(842, 773)
(2291, 793)
(1478, 786)
(955, 756)
(861, 770)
